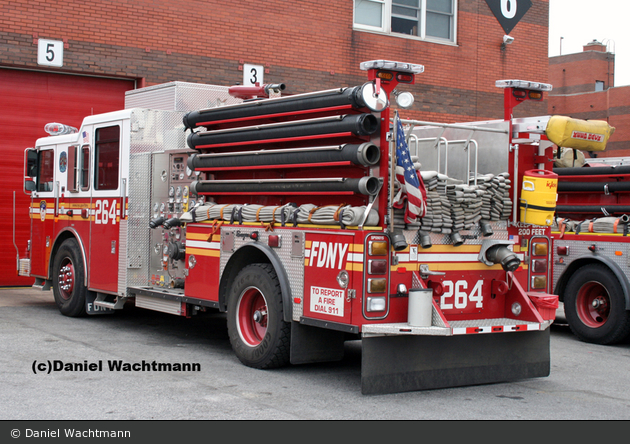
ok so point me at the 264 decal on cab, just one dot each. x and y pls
(105, 212)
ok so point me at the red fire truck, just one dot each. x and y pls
(589, 266)
(310, 220)
(590, 254)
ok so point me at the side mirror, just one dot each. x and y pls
(30, 170)
(30, 162)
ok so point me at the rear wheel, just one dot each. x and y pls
(68, 276)
(595, 306)
(258, 334)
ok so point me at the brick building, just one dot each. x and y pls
(113, 46)
(584, 88)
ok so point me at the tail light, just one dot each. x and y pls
(376, 280)
(539, 283)
(539, 264)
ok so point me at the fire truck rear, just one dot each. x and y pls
(311, 220)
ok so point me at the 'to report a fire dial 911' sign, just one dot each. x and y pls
(509, 12)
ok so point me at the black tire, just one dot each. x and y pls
(595, 306)
(259, 336)
(68, 277)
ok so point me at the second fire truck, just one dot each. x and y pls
(590, 254)
(311, 220)
(589, 265)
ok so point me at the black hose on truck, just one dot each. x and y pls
(366, 154)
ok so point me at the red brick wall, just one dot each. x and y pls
(573, 77)
(577, 73)
(308, 45)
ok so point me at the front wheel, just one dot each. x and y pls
(68, 276)
(595, 306)
(258, 334)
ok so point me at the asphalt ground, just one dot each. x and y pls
(587, 382)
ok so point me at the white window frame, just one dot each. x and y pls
(386, 23)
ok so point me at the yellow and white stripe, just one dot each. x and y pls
(199, 244)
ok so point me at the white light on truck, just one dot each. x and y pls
(524, 84)
(343, 278)
(393, 66)
(516, 309)
(59, 129)
(405, 100)
(375, 304)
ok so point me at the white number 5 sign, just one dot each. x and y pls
(50, 52)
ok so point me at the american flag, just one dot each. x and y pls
(412, 188)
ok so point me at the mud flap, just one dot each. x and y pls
(392, 364)
(312, 344)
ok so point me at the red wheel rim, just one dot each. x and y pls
(66, 278)
(251, 316)
(593, 304)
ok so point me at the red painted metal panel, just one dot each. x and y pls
(29, 100)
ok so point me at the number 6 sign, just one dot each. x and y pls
(509, 12)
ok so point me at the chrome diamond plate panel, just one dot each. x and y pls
(579, 249)
(122, 258)
(152, 132)
(179, 96)
(293, 264)
(471, 237)
(406, 329)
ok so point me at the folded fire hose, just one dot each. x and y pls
(609, 224)
(288, 214)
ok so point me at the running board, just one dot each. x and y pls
(42, 284)
(393, 364)
(117, 304)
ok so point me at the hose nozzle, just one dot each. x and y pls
(500, 254)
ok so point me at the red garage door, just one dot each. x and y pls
(29, 100)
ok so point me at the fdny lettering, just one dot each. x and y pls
(327, 301)
(327, 254)
(587, 136)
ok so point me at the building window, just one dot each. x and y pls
(424, 19)
(599, 85)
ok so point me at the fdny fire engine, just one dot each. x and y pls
(590, 254)
(310, 220)
(589, 268)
